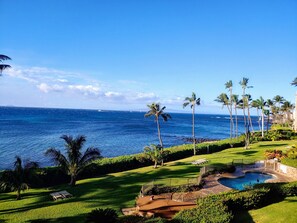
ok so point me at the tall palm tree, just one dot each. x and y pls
(244, 85)
(260, 104)
(18, 178)
(75, 161)
(235, 100)
(287, 108)
(156, 111)
(278, 101)
(154, 152)
(225, 101)
(193, 101)
(229, 86)
(3, 66)
(269, 111)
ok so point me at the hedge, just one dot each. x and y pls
(51, 176)
(206, 212)
(221, 207)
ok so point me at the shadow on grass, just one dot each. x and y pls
(272, 145)
(114, 191)
(77, 218)
(246, 153)
(242, 216)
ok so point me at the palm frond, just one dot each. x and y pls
(90, 155)
(4, 57)
(186, 104)
(57, 157)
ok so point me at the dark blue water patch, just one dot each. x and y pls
(247, 181)
(29, 132)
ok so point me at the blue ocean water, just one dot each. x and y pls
(29, 132)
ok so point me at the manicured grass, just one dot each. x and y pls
(116, 191)
(282, 212)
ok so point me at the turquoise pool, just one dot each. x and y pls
(249, 179)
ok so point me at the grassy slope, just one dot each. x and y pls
(114, 190)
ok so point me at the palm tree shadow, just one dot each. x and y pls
(242, 216)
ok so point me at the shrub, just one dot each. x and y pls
(280, 189)
(139, 219)
(292, 153)
(100, 215)
(207, 212)
(271, 154)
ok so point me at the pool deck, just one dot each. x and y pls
(166, 205)
(212, 186)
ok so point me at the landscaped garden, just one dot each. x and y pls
(119, 190)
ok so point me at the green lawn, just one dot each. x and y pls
(282, 212)
(117, 190)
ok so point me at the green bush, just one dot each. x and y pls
(106, 215)
(242, 200)
(51, 176)
(206, 212)
(280, 189)
(139, 219)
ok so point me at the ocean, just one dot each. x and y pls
(29, 132)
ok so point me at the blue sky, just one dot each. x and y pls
(122, 55)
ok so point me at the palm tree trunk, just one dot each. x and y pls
(262, 123)
(159, 132)
(267, 124)
(236, 121)
(156, 163)
(18, 194)
(160, 139)
(193, 130)
(73, 180)
(231, 121)
(249, 119)
(231, 114)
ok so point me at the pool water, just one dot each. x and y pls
(246, 181)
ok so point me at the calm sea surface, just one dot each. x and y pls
(29, 132)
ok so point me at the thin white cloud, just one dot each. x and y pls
(49, 80)
(47, 88)
(85, 89)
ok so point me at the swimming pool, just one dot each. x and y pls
(249, 179)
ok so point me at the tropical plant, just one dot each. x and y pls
(235, 100)
(106, 215)
(260, 104)
(156, 111)
(225, 101)
(229, 86)
(244, 100)
(3, 66)
(294, 82)
(193, 101)
(269, 111)
(18, 178)
(154, 153)
(75, 161)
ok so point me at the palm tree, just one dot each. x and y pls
(294, 82)
(224, 100)
(18, 178)
(270, 105)
(235, 100)
(154, 152)
(229, 86)
(193, 101)
(156, 111)
(75, 161)
(3, 66)
(244, 86)
(260, 104)
(287, 108)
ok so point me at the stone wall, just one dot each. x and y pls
(288, 170)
